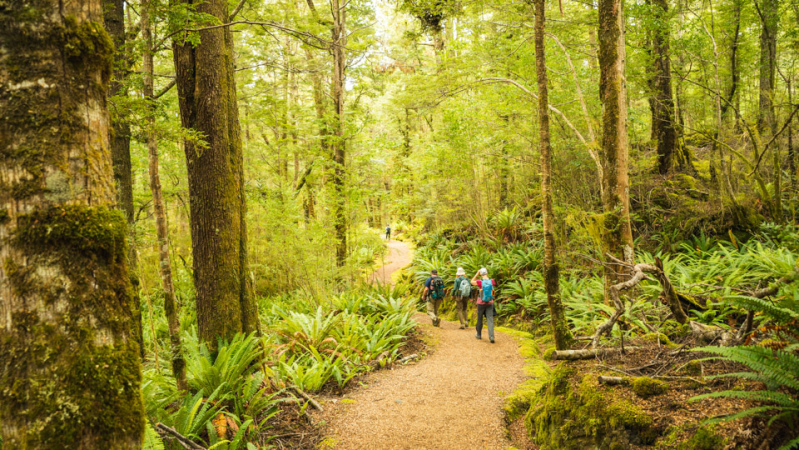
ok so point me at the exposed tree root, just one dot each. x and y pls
(639, 272)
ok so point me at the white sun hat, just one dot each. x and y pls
(483, 271)
(460, 271)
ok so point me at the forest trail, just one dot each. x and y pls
(451, 399)
(399, 256)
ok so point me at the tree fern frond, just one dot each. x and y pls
(758, 396)
(777, 313)
(792, 445)
(778, 366)
(740, 414)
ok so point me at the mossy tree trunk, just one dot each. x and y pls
(560, 329)
(70, 369)
(114, 15)
(616, 230)
(338, 145)
(768, 10)
(664, 131)
(207, 102)
(161, 227)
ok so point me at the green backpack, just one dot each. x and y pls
(436, 288)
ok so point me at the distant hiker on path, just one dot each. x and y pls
(388, 232)
(485, 303)
(433, 293)
(461, 292)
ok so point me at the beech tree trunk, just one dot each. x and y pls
(769, 20)
(615, 222)
(119, 137)
(338, 144)
(664, 131)
(207, 101)
(560, 329)
(161, 227)
(766, 119)
(70, 369)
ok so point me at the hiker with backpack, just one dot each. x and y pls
(388, 232)
(461, 292)
(485, 303)
(434, 294)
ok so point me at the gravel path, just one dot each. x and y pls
(451, 399)
(399, 256)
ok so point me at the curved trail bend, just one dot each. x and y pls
(451, 399)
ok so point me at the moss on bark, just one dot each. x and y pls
(67, 362)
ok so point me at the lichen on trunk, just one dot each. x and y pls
(69, 365)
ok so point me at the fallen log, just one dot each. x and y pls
(308, 398)
(575, 355)
(611, 381)
(182, 440)
(408, 358)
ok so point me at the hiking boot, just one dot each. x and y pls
(491, 340)
(477, 336)
(461, 327)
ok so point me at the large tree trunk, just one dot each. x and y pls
(162, 230)
(662, 103)
(766, 120)
(769, 20)
(207, 100)
(69, 366)
(560, 329)
(114, 16)
(615, 222)
(338, 147)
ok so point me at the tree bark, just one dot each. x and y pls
(560, 329)
(161, 227)
(338, 144)
(769, 21)
(766, 119)
(207, 101)
(661, 101)
(119, 136)
(70, 369)
(615, 222)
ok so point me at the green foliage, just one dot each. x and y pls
(226, 371)
(775, 368)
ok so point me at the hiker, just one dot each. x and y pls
(485, 303)
(462, 292)
(388, 232)
(433, 293)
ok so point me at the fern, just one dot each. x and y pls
(776, 368)
(776, 312)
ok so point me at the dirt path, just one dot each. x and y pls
(451, 399)
(399, 256)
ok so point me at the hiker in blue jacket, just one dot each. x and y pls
(485, 303)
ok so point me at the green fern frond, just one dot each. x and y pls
(780, 314)
(778, 366)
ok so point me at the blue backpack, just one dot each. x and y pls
(488, 290)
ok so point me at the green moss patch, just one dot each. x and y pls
(646, 387)
(518, 402)
(582, 414)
